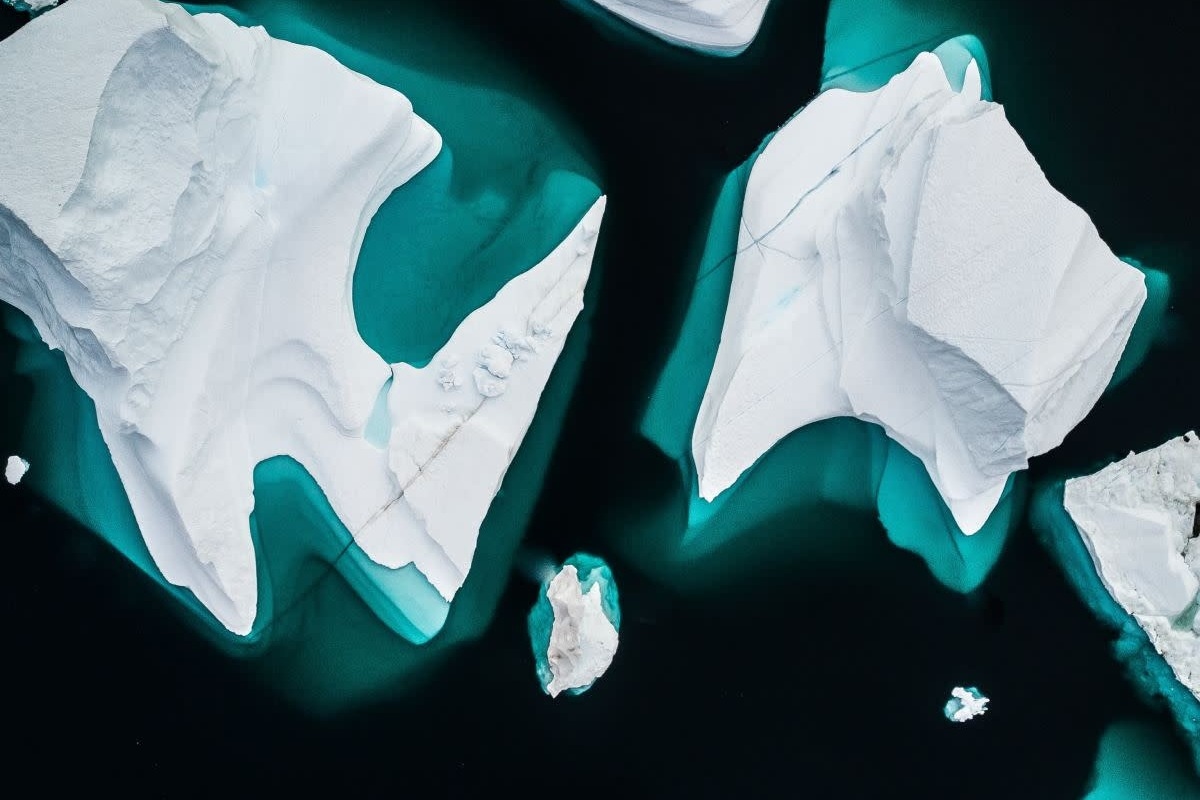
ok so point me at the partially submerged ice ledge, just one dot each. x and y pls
(1127, 537)
(574, 626)
(183, 221)
(716, 27)
(890, 274)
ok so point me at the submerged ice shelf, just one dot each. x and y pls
(719, 27)
(189, 241)
(574, 626)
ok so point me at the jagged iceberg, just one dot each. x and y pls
(1126, 537)
(718, 27)
(873, 277)
(894, 274)
(574, 625)
(183, 221)
(965, 703)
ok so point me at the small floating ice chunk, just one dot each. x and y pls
(965, 703)
(574, 625)
(15, 469)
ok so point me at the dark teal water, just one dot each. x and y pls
(808, 655)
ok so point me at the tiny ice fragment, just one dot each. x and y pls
(965, 703)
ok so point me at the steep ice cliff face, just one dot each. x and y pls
(902, 259)
(182, 218)
(721, 27)
(1138, 518)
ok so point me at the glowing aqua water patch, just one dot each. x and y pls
(1151, 675)
(574, 625)
(508, 199)
(1138, 761)
(869, 41)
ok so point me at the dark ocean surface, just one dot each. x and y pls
(819, 671)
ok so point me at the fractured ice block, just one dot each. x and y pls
(902, 259)
(574, 626)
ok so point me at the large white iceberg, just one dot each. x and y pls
(722, 27)
(1138, 518)
(182, 201)
(902, 259)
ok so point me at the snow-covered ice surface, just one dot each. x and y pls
(182, 220)
(965, 703)
(902, 259)
(719, 27)
(1138, 518)
(15, 469)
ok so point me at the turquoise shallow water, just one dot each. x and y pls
(704, 697)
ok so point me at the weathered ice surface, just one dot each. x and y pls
(574, 625)
(913, 269)
(183, 222)
(1138, 519)
(15, 469)
(719, 27)
(965, 703)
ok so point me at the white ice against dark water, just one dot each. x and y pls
(15, 469)
(903, 260)
(189, 242)
(583, 640)
(1137, 517)
(965, 703)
